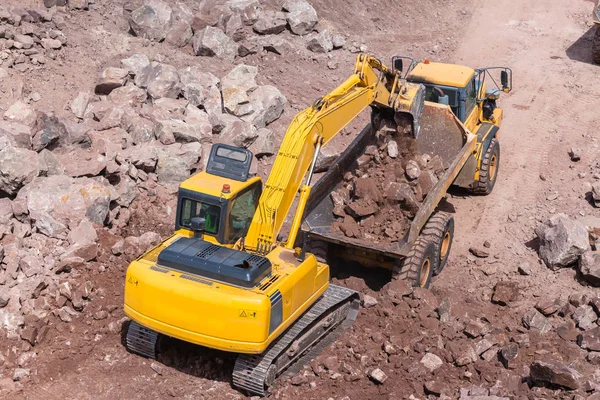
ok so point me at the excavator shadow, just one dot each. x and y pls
(581, 49)
(191, 359)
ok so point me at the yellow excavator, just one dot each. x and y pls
(226, 280)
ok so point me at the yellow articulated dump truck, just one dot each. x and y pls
(226, 280)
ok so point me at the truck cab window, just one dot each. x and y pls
(471, 99)
(210, 212)
(241, 214)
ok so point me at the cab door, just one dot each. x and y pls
(471, 108)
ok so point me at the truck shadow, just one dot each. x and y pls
(355, 276)
(191, 359)
(581, 49)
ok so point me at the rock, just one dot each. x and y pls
(536, 322)
(212, 42)
(264, 145)
(18, 167)
(20, 373)
(596, 193)
(80, 103)
(55, 202)
(237, 85)
(152, 20)
(479, 253)
(505, 292)
(509, 354)
(238, 132)
(431, 361)
(22, 113)
(135, 64)
(110, 79)
(128, 96)
(176, 161)
(575, 154)
(326, 158)
(79, 4)
(200, 131)
(593, 358)
(392, 149)
(321, 42)
(143, 157)
(270, 23)
(585, 317)
(301, 16)
(338, 41)
(50, 131)
(590, 339)
(21, 134)
(266, 104)
(180, 34)
(369, 301)
(463, 354)
(53, 44)
(25, 41)
(413, 171)
(378, 376)
(578, 299)
(444, 310)
(549, 306)
(402, 193)
(589, 266)
(82, 163)
(562, 241)
(201, 89)
(554, 373)
(157, 368)
(524, 269)
(160, 80)
(568, 332)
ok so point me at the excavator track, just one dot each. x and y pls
(318, 326)
(141, 340)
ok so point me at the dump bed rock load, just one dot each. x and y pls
(377, 201)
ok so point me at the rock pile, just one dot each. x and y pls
(232, 28)
(65, 185)
(29, 36)
(378, 199)
(409, 341)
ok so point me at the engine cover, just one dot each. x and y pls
(199, 257)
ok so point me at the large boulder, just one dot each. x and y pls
(213, 42)
(50, 130)
(301, 16)
(135, 64)
(321, 42)
(160, 80)
(176, 161)
(201, 88)
(18, 166)
(562, 241)
(237, 85)
(270, 23)
(20, 133)
(110, 79)
(152, 20)
(248, 10)
(54, 203)
(181, 32)
(554, 373)
(22, 113)
(589, 266)
(182, 132)
(266, 104)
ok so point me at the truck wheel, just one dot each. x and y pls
(489, 169)
(440, 230)
(596, 46)
(417, 269)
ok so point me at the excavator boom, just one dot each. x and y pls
(371, 84)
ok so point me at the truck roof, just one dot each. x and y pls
(441, 74)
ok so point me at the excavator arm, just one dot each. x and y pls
(371, 84)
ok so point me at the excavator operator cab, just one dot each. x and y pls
(225, 196)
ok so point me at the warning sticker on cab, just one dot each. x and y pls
(247, 314)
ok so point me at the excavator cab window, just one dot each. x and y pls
(210, 212)
(242, 211)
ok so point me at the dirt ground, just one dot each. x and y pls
(552, 108)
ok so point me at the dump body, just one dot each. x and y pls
(442, 134)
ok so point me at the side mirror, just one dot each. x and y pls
(398, 64)
(198, 224)
(504, 81)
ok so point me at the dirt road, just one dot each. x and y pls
(553, 107)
